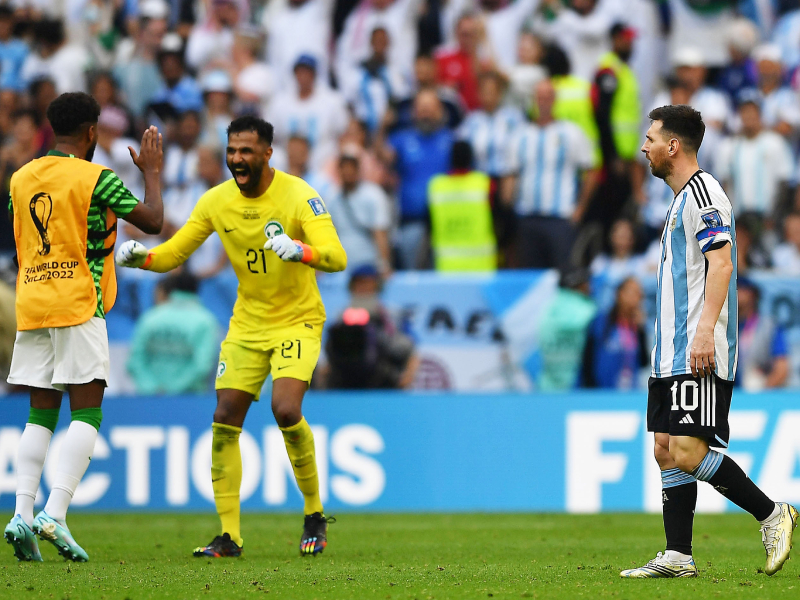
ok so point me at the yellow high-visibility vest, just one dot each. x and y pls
(51, 197)
(625, 107)
(462, 235)
(574, 103)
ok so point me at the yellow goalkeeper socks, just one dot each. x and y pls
(300, 446)
(226, 477)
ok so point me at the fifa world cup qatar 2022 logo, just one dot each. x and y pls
(41, 209)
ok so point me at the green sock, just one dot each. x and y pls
(90, 416)
(44, 417)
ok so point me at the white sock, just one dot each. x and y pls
(775, 513)
(31, 453)
(675, 556)
(76, 452)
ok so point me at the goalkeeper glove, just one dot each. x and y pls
(289, 250)
(131, 254)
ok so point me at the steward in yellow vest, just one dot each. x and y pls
(64, 210)
(616, 95)
(573, 97)
(462, 234)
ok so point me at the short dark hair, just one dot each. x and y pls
(683, 122)
(461, 156)
(264, 130)
(184, 281)
(555, 61)
(70, 112)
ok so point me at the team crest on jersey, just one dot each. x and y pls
(273, 229)
(317, 206)
(712, 219)
(221, 369)
(673, 223)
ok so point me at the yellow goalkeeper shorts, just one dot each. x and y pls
(290, 353)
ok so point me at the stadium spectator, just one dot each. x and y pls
(779, 107)
(285, 45)
(136, 67)
(209, 45)
(54, 59)
(621, 262)
(376, 83)
(112, 148)
(562, 334)
(254, 81)
(573, 96)
(616, 346)
(175, 344)
(618, 114)
(786, 256)
(527, 72)
(458, 68)
(180, 156)
(361, 213)
(21, 148)
(179, 90)
(750, 253)
(13, 52)
(298, 164)
(417, 154)
(550, 183)
(502, 24)
(365, 349)
(425, 77)
(763, 348)
(462, 235)
(701, 25)
(312, 110)
(217, 90)
(397, 17)
(490, 128)
(41, 93)
(756, 166)
(581, 28)
(741, 72)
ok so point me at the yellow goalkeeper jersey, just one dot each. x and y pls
(272, 294)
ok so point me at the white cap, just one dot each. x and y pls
(743, 35)
(154, 9)
(171, 42)
(689, 57)
(216, 81)
(767, 52)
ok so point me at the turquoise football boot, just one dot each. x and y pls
(57, 533)
(22, 539)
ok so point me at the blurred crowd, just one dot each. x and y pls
(456, 135)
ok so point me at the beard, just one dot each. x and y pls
(625, 55)
(662, 171)
(90, 152)
(427, 126)
(253, 173)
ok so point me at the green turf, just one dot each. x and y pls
(398, 557)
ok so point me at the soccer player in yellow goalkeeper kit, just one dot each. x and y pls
(276, 231)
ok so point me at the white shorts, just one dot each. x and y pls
(55, 357)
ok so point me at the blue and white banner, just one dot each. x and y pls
(474, 333)
(583, 453)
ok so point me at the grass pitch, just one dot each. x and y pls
(140, 556)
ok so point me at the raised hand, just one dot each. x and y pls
(151, 154)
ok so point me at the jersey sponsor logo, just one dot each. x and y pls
(41, 209)
(712, 219)
(221, 369)
(273, 229)
(317, 206)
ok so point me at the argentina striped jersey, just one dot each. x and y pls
(548, 161)
(489, 134)
(700, 218)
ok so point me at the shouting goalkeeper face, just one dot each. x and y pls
(248, 152)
